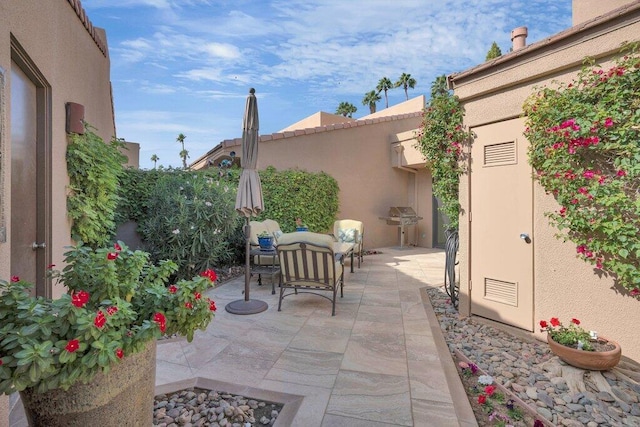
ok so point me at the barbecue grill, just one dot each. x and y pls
(401, 216)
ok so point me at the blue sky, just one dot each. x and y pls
(186, 66)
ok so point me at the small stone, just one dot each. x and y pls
(545, 413)
(605, 397)
(532, 393)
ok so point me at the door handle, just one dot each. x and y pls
(525, 237)
(36, 246)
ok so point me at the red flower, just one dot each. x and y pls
(576, 321)
(15, 279)
(621, 173)
(543, 324)
(112, 310)
(1, 362)
(50, 266)
(188, 305)
(482, 399)
(119, 353)
(209, 274)
(99, 320)
(608, 122)
(79, 299)
(212, 305)
(555, 321)
(161, 321)
(173, 289)
(197, 295)
(112, 255)
(117, 247)
(490, 389)
(635, 292)
(72, 346)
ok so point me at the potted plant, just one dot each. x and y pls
(265, 240)
(580, 348)
(300, 226)
(91, 353)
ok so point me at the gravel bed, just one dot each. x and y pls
(195, 407)
(563, 395)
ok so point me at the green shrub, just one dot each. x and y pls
(191, 219)
(93, 167)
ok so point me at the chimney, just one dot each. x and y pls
(519, 38)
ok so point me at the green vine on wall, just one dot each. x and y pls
(93, 167)
(585, 150)
(441, 139)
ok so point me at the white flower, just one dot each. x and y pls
(208, 204)
(176, 231)
(192, 227)
(181, 188)
(216, 231)
(485, 379)
(226, 189)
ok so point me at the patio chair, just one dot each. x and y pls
(309, 265)
(269, 260)
(352, 231)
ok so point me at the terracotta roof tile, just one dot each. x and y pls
(84, 18)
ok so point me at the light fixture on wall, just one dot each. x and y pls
(75, 118)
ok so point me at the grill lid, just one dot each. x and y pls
(402, 211)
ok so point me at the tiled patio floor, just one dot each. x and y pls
(381, 361)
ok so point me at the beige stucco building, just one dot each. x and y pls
(50, 55)
(372, 158)
(513, 270)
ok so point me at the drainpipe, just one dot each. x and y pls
(519, 38)
(399, 149)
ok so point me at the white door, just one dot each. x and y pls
(501, 225)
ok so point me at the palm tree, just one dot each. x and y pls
(406, 81)
(154, 159)
(370, 99)
(346, 109)
(384, 85)
(183, 153)
(439, 87)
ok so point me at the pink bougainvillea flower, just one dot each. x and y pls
(117, 247)
(608, 122)
(161, 321)
(188, 305)
(15, 279)
(119, 353)
(209, 274)
(574, 201)
(112, 255)
(635, 292)
(581, 249)
(173, 289)
(575, 321)
(621, 173)
(555, 321)
(599, 263)
(112, 310)
(562, 211)
(99, 320)
(79, 299)
(482, 399)
(490, 389)
(197, 295)
(212, 305)
(543, 324)
(72, 346)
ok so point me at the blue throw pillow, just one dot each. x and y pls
(347, 235)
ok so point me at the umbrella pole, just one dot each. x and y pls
(247, 262)
(246, 305)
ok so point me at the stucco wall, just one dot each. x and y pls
(64, 52)
(359, 157)
(564, 286)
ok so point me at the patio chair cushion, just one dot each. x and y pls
(342, 231)
(347, 235)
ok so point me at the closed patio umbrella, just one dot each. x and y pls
(249, 200)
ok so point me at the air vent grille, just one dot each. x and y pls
(501, 291)
(500, 154)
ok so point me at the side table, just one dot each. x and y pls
(263, 261)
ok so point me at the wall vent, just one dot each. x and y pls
(500, 154)
(501, 291)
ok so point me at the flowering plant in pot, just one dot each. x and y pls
(580, 347)
(300, 226)
(265, 240)
(117, 303)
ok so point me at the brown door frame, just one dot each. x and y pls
(43, 161)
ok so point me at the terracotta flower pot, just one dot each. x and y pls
(592, 360)
(123, 397)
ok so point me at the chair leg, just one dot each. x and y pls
(333, 307)
(280, 300)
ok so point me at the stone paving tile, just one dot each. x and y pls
(428, 381)
(372, 397)
(309, 367)
(428, 413)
